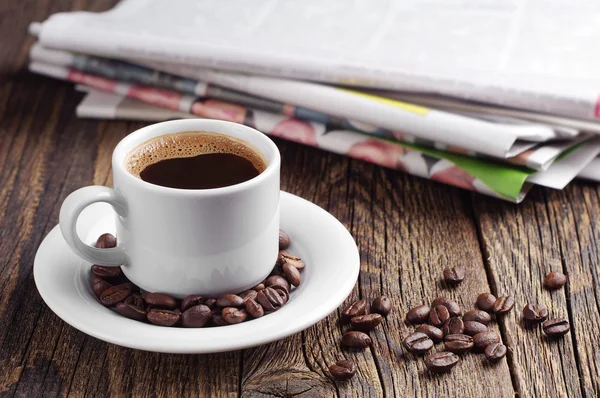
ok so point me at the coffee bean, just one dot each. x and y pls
(535, 313)
(160, 300)
(484, 339)
(233, 315)
(342, 370)
(248, 294)
(217, 320)
(277, 280)
(106, 272)
(477, 316)
(452, 306)
(366, 323)
(230, 300)
(485, 301)
(438, 315)
(106, 241)
(286, 257)
(190, 301)
(284, 240)
(259, 287)
(163, 317)
(555, 280)
(115, 294)
(459, 343)
(418, 314)
(381, 305)
(441, 362)
(210, 303)
(503, 304)
(472, 328)
(196, 316)
(453, 276)
(270, 299)
(99, 285)
(292, 274)
(556, 327)
(133, 308)
(435, 334)
(418, 343)
(285, 296)
(495, 352)
(453, 325)
(354, 339)
(254, 309)
(355, 309)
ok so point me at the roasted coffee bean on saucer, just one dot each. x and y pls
(253, 308)
(284, 240)
(106, 272)
(196, 316)
(163, 317)
(133, 308)
(286, 257)
(278, 281)
(106, 241)
(355, 309)
(99, 285)
(270, 299)
(233, 315)
(160, 300)
(381, 305)
(292, 274)
(248, 294)
(230, 300)
(115, 294)
(190, 301)
(342, 370)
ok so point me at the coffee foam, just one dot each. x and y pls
(189, 144)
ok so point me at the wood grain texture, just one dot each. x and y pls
(407, 230)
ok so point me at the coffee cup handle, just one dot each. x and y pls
(70, 210)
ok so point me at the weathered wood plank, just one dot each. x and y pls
(522, 245)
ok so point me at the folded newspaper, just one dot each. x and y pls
(514, 53)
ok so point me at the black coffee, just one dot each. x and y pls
(211, 170)
(195, 160)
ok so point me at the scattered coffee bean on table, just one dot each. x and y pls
(342, 370)
(381, 305)
(556, 327)
(418, 314)
(485, 301)
(477, 316)
(355, 309)
(459, 343)
(284, 240)
(355, 339)
(441, 362)
(438, 315)
(435, 334)
(452, 306)
(453, 325)
(483, 339)
(472, 328)
(495, 352)
(503, 305)
(535, 313)
(366, 323)
(555, 280)
(453, 276)
(418, 343)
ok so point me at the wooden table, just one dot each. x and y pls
(408, 229)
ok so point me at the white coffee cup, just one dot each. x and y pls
(186, 241)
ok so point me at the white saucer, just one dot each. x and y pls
(328, 249)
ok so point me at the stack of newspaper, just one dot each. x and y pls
(489, 96)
